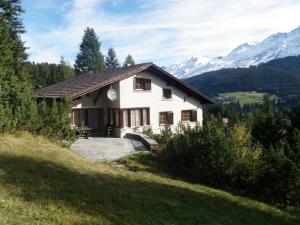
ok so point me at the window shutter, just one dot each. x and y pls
(170, 117)
(194, 115)
(147, 84)
(142, 119)
(129, 118)
(148, 116)
(134, 83)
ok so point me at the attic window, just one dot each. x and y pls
(167, 93)
(142, 84)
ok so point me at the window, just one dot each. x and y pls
(167, 93)
(117, 119)
(88, 117)
(111, 117)
(189, 115)
(186, 115)
(80, 118)
(142, 84)
(145, 116)
(135, 117)
(114, 117)
(125, 118)
(165, 118)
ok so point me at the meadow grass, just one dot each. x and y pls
(44, 183)
(246, 97)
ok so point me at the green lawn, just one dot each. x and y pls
(246, 97)
(43, 183)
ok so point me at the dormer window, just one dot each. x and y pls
(167, 93)
(142, 84)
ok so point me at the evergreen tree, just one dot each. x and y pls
(129, 61)
(44, 74)
(65, 71)
(111, 60)
(17, 105)
(89, 56)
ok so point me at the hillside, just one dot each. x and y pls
(43, 183)
(280, 77)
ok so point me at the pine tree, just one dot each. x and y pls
(89, 57)
(65, 71)
(111, 60)
(44, 74)
(17, 105)
(129, 61)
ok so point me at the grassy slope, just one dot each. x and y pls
(42, 183)
(246, 97)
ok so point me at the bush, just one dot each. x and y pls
(54, 119)
(200, 155)
(248, 163)
(227, 157)
(280, 180)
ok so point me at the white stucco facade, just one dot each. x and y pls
(153, 99)
(129, 98)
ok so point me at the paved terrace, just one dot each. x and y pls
(106, 149)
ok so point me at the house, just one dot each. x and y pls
(129, 99)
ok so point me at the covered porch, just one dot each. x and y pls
(104, 117)
(110, 122)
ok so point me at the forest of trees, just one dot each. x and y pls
(280, 77)
(44, 74)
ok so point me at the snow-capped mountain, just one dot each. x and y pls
(276, 46)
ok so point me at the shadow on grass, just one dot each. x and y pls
(141, 162)
(125, 200)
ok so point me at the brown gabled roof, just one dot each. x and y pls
(86, 83)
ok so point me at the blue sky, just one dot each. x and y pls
(159, 31)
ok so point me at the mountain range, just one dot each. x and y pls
(276, 46)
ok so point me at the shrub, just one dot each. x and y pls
(248, 161)
(200, 155)
(226, 157)
(280, 180)
(54, 120)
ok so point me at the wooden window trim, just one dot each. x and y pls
(141, 113)
(192, 117)
(141, 84)
(182, 115)
(169, 117)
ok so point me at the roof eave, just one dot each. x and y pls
(205, 99)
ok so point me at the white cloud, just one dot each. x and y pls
(167, 31)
